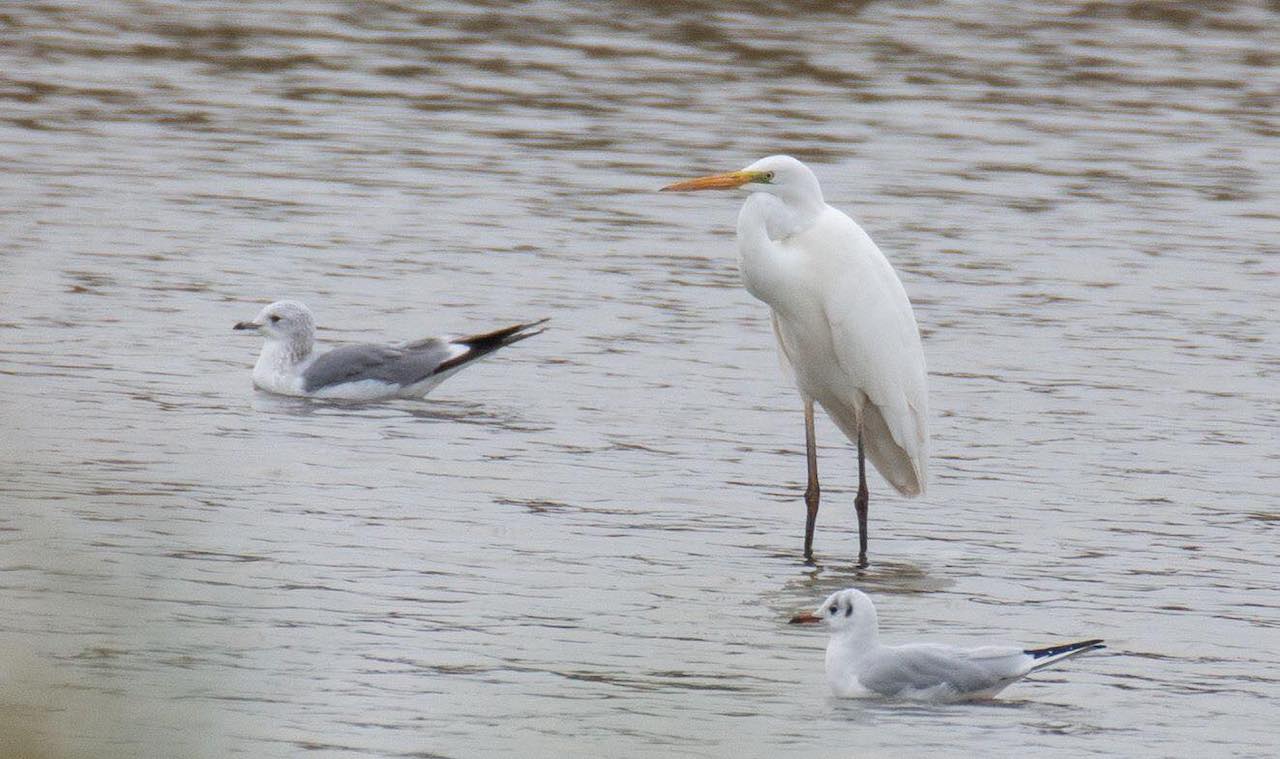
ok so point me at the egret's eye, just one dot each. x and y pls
(274, 318)
(834, 608)
(768, 176)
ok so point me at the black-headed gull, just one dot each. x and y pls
(288, 364)
(858, 665)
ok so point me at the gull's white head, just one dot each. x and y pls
(845, 611)
(285, 320)
(778, 175)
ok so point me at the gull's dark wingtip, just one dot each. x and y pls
(517, 332)
(488, 342)
(1065, 648)
(527, 329)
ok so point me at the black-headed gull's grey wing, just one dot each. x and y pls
(395, 366)
(920, 668)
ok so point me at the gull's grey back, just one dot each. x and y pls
(397, 365)
(900, 669)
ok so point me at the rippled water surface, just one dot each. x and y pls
(590, 543)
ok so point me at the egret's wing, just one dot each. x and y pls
(902, 670)
(876, 342)
(400, 366)
(784, 356)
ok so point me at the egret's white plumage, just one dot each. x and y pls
(289, 365)
(858, 665)
(843, 322)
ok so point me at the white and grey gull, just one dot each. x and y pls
(289, 364)
(859, 665)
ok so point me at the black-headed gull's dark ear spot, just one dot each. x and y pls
(849, 611)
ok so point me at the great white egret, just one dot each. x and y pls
(844, 325)
(288, 364)
(859, 665)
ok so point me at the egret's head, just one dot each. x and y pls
(847, 609)
(285, 320)
(779, 175)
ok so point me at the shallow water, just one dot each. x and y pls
(590, 543)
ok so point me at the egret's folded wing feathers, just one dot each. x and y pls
(874, 336)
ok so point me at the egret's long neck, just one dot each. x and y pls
(764, 224)
(778, 218)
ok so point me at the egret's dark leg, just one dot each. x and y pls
(811, 493)
(860, 503)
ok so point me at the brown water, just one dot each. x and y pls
(590, 544)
